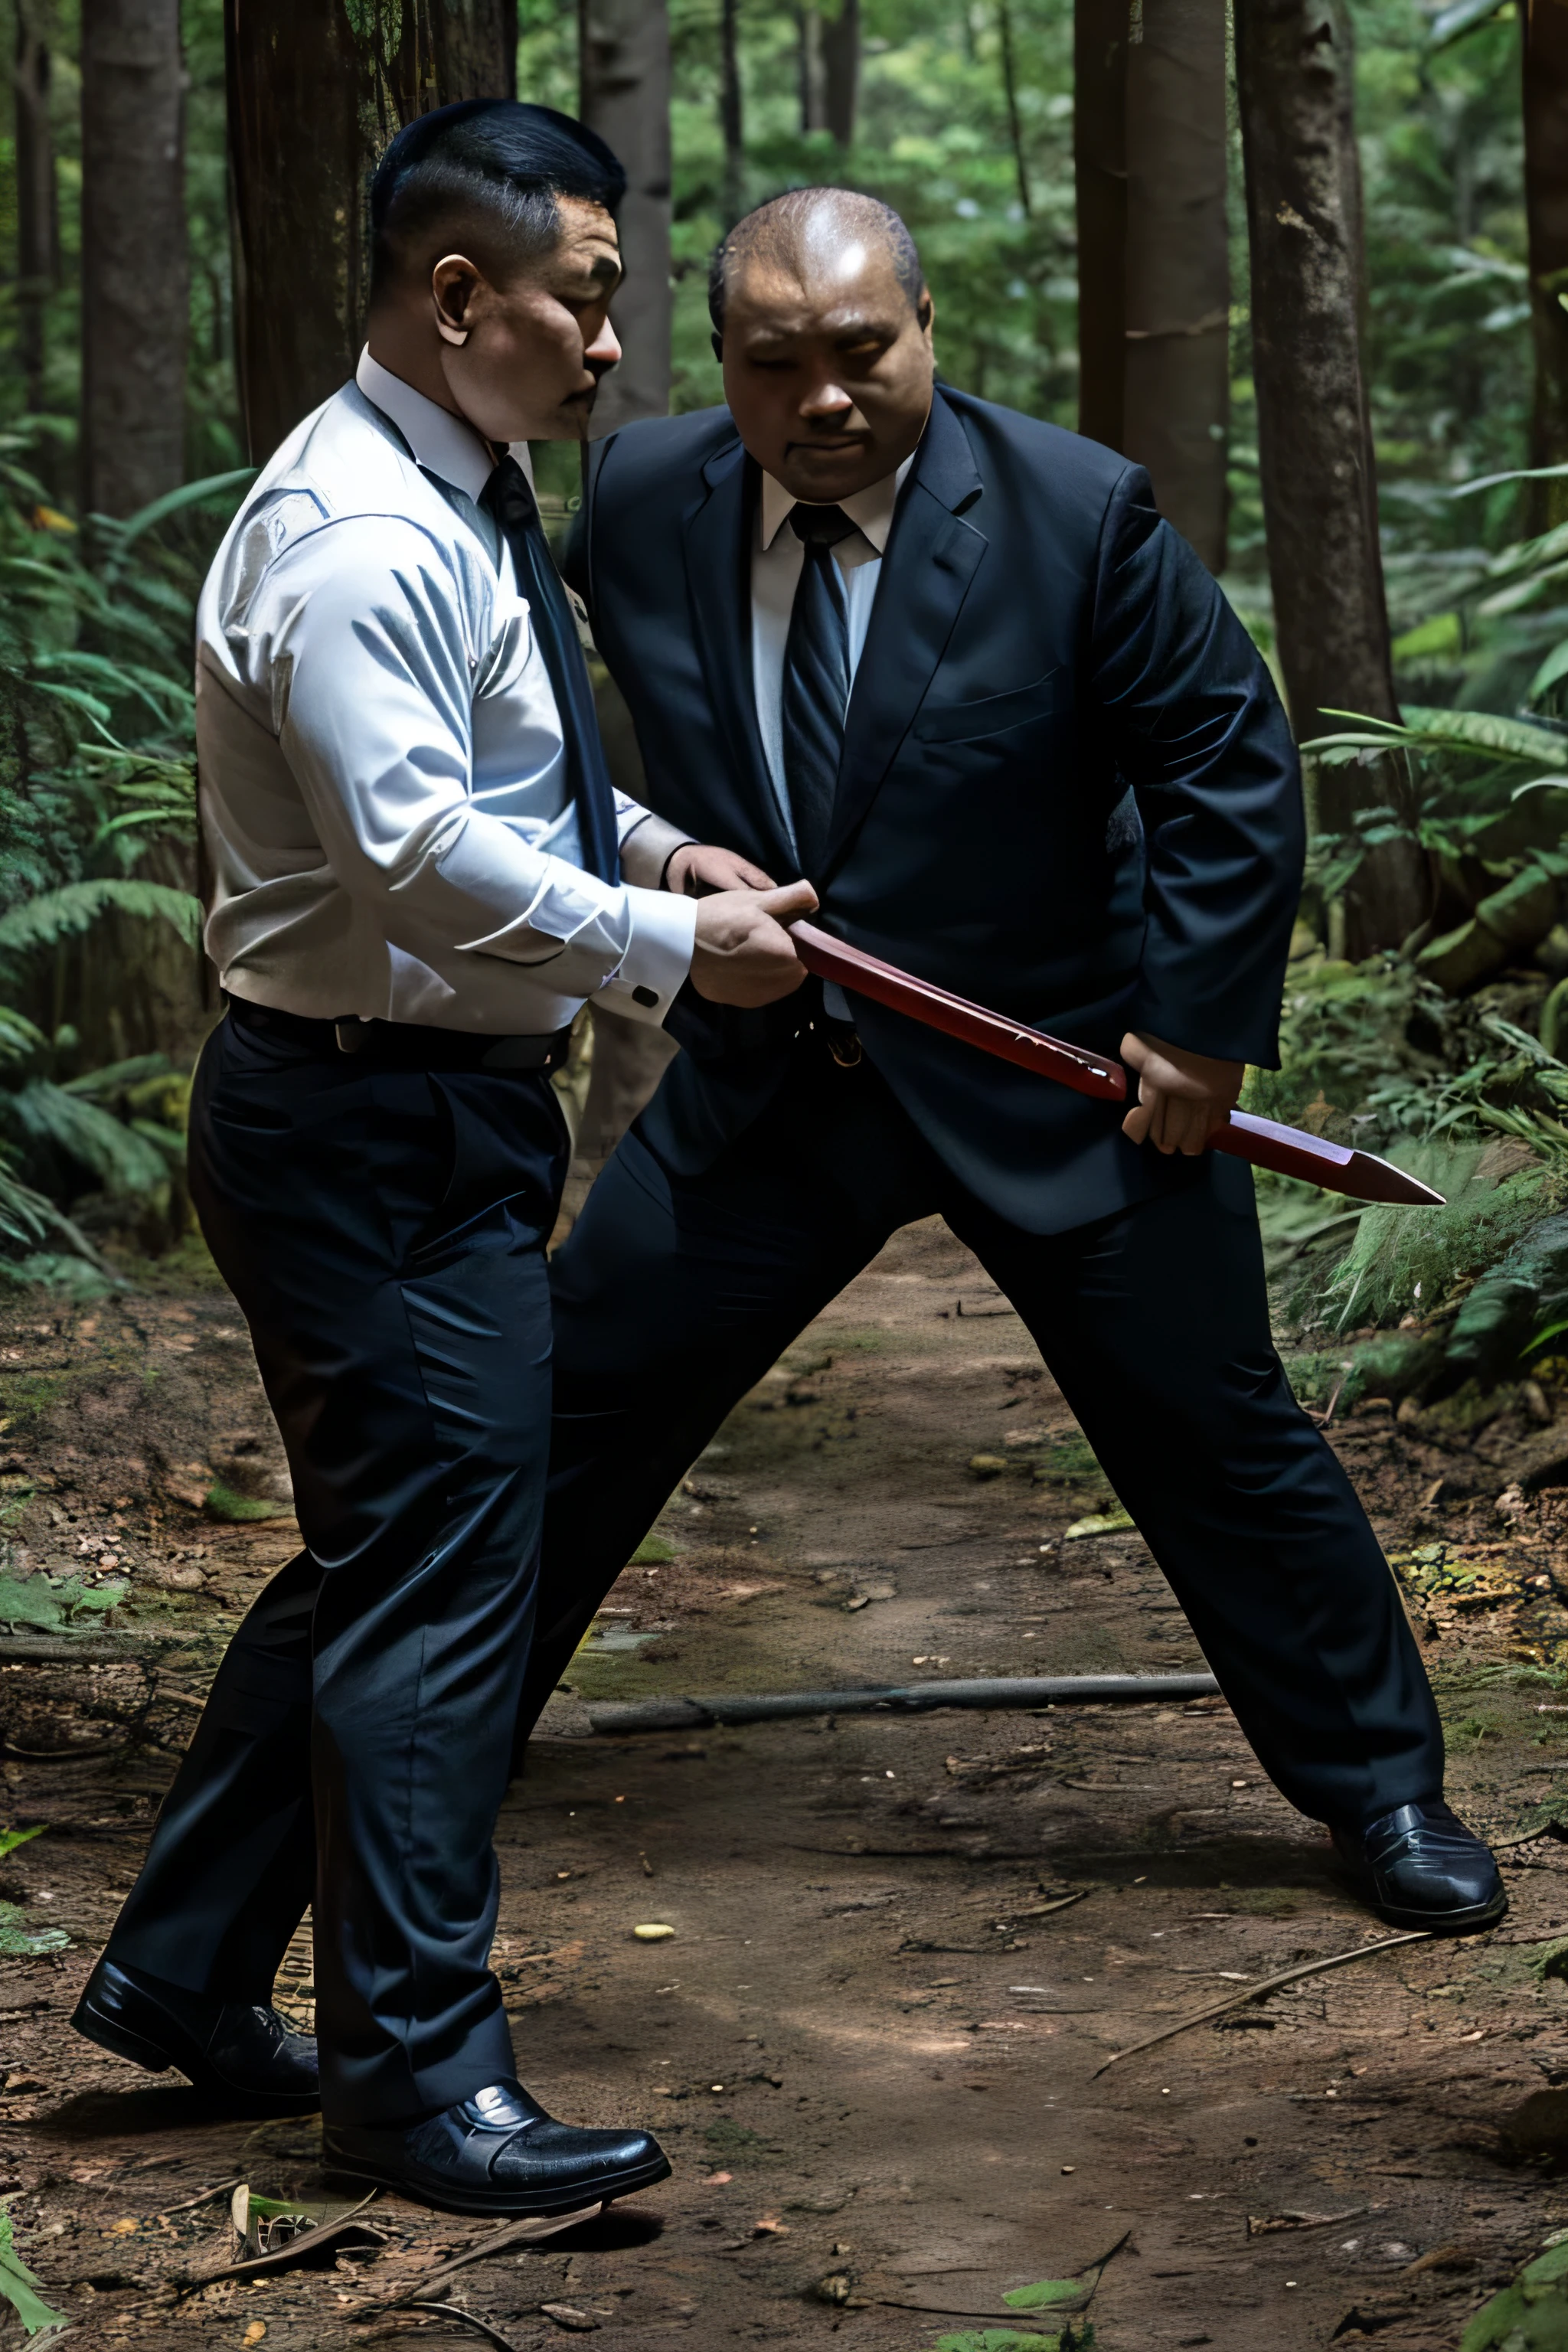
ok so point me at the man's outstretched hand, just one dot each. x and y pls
(1182, 1096)
(744, 955)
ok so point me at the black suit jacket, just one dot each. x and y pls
(1067, 788)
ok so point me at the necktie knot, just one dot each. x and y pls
(508, 497)
(821, 526)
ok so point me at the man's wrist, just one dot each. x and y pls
(664, 881)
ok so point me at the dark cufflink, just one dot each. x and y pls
(645, 996)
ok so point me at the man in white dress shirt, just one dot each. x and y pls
(420, 874)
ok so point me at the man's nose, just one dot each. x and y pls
(825, 400)
(604, 350)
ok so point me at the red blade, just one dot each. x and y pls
(1072, 1066)
(1288, 1151)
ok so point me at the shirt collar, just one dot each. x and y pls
(442, 442)
(871, 509)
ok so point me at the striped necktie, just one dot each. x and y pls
(507, 497)
(815, 682)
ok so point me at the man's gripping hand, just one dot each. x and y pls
(1182, 1096)
(699, 868)
(744, 955)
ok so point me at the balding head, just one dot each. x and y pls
(823, 322)
(816, 231)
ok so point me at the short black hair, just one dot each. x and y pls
(494, 156)
(774, 226)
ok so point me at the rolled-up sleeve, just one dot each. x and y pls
(362, 638)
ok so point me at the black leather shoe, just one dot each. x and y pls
(1420, 1867)
(245, 2056)
(498, 2152)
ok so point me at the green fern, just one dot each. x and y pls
(127, 1164)
(59, 914)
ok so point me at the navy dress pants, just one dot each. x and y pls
(383, 1231)
(676, 1292)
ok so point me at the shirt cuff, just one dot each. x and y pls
(647, 849)
(657, 957)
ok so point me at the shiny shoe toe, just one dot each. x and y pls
(499, 2153)
(240, 2054)
(1419, 1867)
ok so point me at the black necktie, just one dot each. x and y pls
(508, 499)
(815, 681)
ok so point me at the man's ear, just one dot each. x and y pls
(453, 282)
(925, 311)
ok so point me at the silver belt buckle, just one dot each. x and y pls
(351, 1035)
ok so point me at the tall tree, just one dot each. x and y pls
(1295, 81)
(314, 94)
(38, 212)
(841, 71)
(1177, 382)
(1545, 62)
(135, 269)
(1015, 116)
(625, 79)
(624, 64)
(1099, 172)
(731, 113)
(808, 68)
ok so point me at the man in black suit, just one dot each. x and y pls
(948, 662)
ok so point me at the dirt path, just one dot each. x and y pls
(871, 2043)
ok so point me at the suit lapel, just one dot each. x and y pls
(718, 545)
(932, 556)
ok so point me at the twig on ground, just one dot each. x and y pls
(217, 2190)
(1265, 1984)
(455, 2311)
(510, 2234)
(1090, 2276)
(163, 1690)
(1323, 1419)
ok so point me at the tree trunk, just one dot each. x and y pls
(1099, 171)
(841, 70)
(1295, 77)
(625, 67)
(732, 115)
(1178, 272)
(1545, 57)
(808, 68)
(37, 211)
(316, 88)
(135, 269)
(1010, 91)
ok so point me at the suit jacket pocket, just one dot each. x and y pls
(957, 722)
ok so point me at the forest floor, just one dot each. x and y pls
(892, 2118)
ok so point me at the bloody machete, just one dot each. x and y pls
(1288, 1151)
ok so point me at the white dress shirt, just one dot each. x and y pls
(384, 791)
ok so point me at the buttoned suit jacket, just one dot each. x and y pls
(1067, 788)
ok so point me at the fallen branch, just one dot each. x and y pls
(1265, 1984)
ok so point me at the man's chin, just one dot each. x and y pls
(825, 476)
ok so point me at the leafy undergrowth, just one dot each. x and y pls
(1420, 1303)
